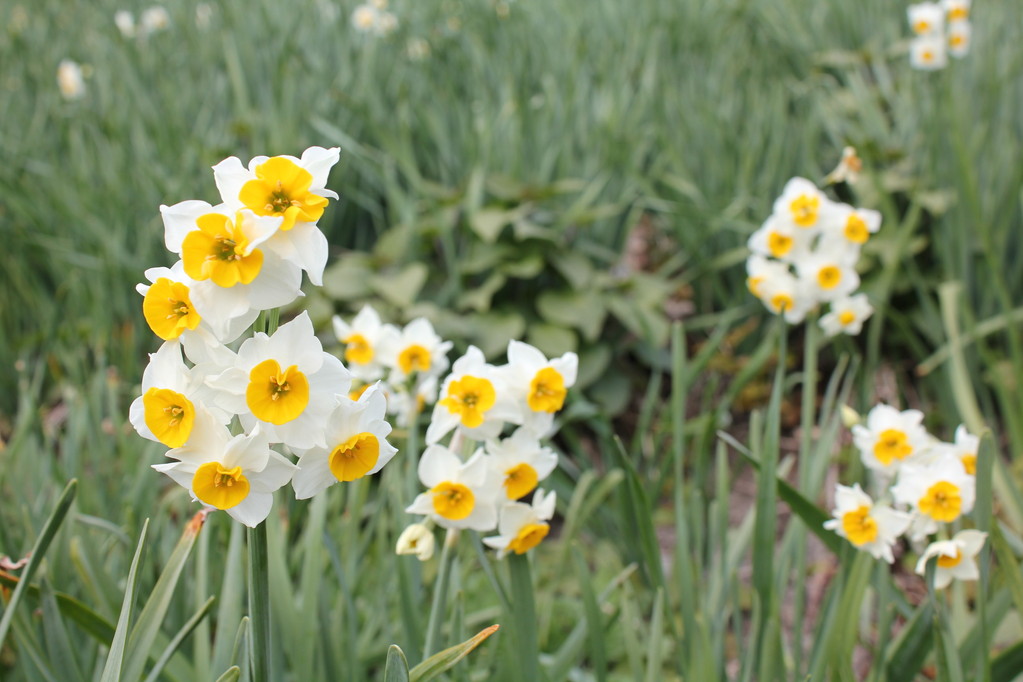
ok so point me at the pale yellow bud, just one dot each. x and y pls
(850, 417)
(416, 539)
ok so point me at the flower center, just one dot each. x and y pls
(470, 397)
(846, 318)
(859, 526)
(358, 349)
(414, 358)
(856, 229)
(778, 244)
(970, 464)
(892, 444)
(528, 537)
(453, 501)
(753, 284)
(950, 561)
(829, 276)
(218, 486)
(274, 395)
(958, 13)
(281, 188)
(168, 309)
(547, 391)
(804, 210)
(217, 251)
(942, 502)
(169, 415)
(921, 26)
(520, 480)
(781, 302)
(355, 458)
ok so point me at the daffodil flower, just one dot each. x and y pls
(416, 350)
(416, 539)
(293, 190)
(926, 18)
(460, 494)
(853, 227)
(474, 399)
(522, 526)
(784, 294)
(959, 34)
(928, 53)
(357, 446)
(780, 239)
(363, 339)
(803, 206)
(521, 462)
(828, 274)
(939, 492)
(236, 474)
(285, 383)
(847, 315)
(539, 385)
(956, 558)
(870, 527)
(890, 438)
(956, 10)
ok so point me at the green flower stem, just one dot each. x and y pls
(524, 617)
(259, 603)
(412, 452)
(440, 595)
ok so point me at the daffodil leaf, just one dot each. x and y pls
(444, 660)
(396, 668)
(915, 641)
(552, 339)
(232, 674)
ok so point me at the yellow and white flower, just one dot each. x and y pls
(520, 462)
(939, 492)
(236, 474)
(522, 526)
(853, 226)
(926, 18)
(890, 438)
(415, 350)
(153, 20)
(474, 399)
(964, 449)
(780, 239)
(829, 274)
(784, 294)
(291, 189)
(285, 383)
(760, 270)
(460, 494)
(416, 539)
(847, 315)
(125, 22)
(869, 526)
(928, 53)
(172, 395)
(803, 206)
(956, 10)
(956, 558)
(365, 18)
(364, 339)
(959, 34)
(357, 446)
(539, 385)
(848, 168)
(70, 81)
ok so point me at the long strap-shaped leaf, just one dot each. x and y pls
(115, 658)
(444, 660)
(38, 551)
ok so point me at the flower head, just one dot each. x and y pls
(416, 539)
(520, 462)
(956, 558)
(890, 438)
(926, 18)
(460, 494)
(928, 53)
(474, 399)
(847, 315)
(939, 492)
(539, 385)
(363, 340)
(522, 527)
(869, 526)
(69, 80)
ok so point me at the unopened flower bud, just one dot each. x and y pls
(416, 539)
(850, 417)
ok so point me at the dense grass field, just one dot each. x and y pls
(580, 176)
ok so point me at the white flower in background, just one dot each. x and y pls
(365, 18)
(928, 53)
(172, 395)
(780, 239)
(847, 315)
(869, 526)
(760, 270)
(802, 205)
(69, 80)
(965, 449)
(237, 474)
(926, 18)
(203, 16)
(956, 10)
(828, 274)
(520, 462)
(230, 256)
(288, 188)
(364, 339)
(286, 384)
(125, 22)
(415, 350)
(939, 492)
(153, 20)
(956, 558)
(474, 399)
(539, 385)
(891, 438)
(357, 446)
(959, 34)
(417, 49)
(406, 405)
(848, 168)
(387, 23)
(460, 494)
(854, 226)
(522, 527)
(783, 294)
(416, 539)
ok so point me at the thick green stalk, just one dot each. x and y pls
(259, 603)
(524, 616)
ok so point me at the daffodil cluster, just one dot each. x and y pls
(939, 29)
(927, 486)
(805, 254)
(499, 416)
(239, 257)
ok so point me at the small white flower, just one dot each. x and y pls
(956, 558)
(928, 53)
(415, 350)
(869, 526)
(416, 539)
(891, 438)
(153, 20)
(804, 206)
(926, 18)
(125, 22)
(956, 10)
(538, 385)
(848, 168)
(783, 294)
(939, 492)
(959, 34)
(522, 527)
(417, 49)
(780, 239)
(365, 18)
(365, 339)
(460, 494)
(70, 80)
(828, 274)
(853, 226)
(847, 315)
(474, 399)
(520, 462)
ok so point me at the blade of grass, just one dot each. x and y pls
(115, 657)
(178, 638)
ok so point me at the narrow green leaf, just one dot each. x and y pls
(1006, 666)
(57, 642)
(912, 646)
(178, 638)
(38, 552)
(594, 617)
(396, 668)
(98, 627)
(444, 660)
(655, 646)
(155, 609)
(115, 657)
(524, 616)
(1010, 567)
(232, 674)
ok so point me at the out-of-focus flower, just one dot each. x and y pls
(356, 436)
(522, 527)
(538, 384)
(237, 474)
(781, 240)
(850, 417)
(828, 274)
(869, 526)
(940, 492)
(965, 449)
(802, 205)
(416, 539)
(956, 558)
(364, 339)
(474, 399)
(417, 49)
(928, 53)
(203, 15)
(125, 22)
(847, 315)
(153, 20)
(926, 18)
(890, 438)
(959, 34)
(854, 226)
(848, 168)
(460, 494)
(416, 350)
(365, 18)
(70, 80)
(520, 462)
(387, 23)
(956, 10)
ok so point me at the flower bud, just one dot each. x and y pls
(416, 539)
(850, 417)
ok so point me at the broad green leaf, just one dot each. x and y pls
(400, 288)
(593, 362)
(396, 668)
(491, 331)
(526, 267)
(488, 222)
(575, 267)
(444, 660)
(478, 297)
(115, 657)
(582, 309)
(348, 278)
(551, 339)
